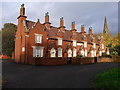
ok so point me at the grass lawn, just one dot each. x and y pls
(108, 79)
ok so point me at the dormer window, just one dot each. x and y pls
(102, 46)
(94, 45)
(85, 44)
(38, 38)
(59, 41)
(74, 43)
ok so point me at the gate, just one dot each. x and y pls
(95, 59)
(69, 60)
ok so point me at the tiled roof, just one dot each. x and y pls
(66, 35)
(29, 24)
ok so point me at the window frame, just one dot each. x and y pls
(74, 52)
(36, 38)
(74, 43)
(85, 44)
(59, 52)
(38, 51)
(59, 41)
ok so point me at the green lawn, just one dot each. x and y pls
(108, 79)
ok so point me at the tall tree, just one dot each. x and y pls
(116, 40)
(8, 34)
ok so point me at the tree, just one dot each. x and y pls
(107, 38)
(116, 40)
(8, 34)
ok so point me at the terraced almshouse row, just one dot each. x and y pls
(36, 39)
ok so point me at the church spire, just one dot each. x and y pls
(105, 29)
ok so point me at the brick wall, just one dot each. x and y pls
(84, 60)
(116, 58)
(49, 61)
(106, 59)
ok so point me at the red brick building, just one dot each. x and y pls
(36, 39)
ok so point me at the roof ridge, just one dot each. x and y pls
(30, 21)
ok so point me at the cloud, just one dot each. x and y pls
(91, 14)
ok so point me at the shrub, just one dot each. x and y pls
(105, 55)
(79, 56)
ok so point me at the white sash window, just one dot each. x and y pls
(59, 41)
(94, 45)
(100, 53)
(102, 46)
(38, 51)
(74, 52)
(59, 52)
(74, 43)
(86, 53)
(92, 53)
(38, 38)
(85, 44)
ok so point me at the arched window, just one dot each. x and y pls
(69, 53)
(74, 52)
(52, 52)
(59, 52)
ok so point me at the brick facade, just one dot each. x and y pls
(72, 43)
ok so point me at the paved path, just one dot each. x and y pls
(64, 76)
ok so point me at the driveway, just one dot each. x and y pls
(63, 76)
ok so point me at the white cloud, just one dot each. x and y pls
(89, 14)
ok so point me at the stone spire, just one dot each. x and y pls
(105, 29)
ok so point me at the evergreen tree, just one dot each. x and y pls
(8, 34)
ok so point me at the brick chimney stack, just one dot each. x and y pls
(82, 28)
(47, 17)
(22, 12)
(62, 27)
(73, 27)
(90, 30)
(61, 22)
(47, 23)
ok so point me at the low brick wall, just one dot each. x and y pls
(83, 60)
(49, 61)
(107, 59)
(116, 58)
(104, 59)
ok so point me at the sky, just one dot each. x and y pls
(89, 14)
